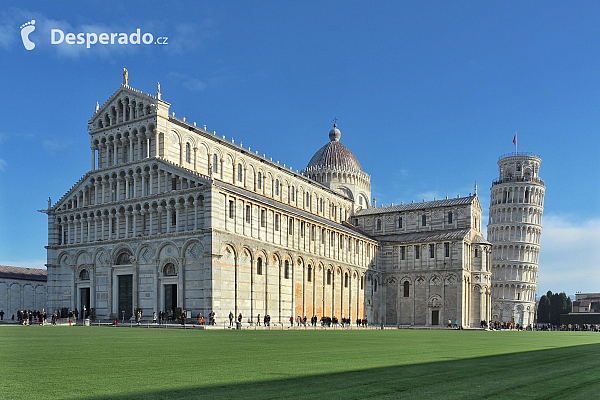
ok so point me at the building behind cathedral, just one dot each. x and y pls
(172, 216)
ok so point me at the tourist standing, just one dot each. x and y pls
(230, 318)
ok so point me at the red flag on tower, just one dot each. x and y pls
(515, 139)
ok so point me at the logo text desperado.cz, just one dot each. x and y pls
(57, 36)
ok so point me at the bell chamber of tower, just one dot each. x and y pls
(514, 229)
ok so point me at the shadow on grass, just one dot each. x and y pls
(567, 372)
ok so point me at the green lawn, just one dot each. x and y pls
(105, 362)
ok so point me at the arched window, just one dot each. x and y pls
(259, 181)
(400, 222)
(276, 187)
(286, 271)
(240, 173)
(346, 279)
(169, 269)
(378, 224)
(309, 275)
(329, 277)
(375, 286)
(362, 282)
(406, 289)
(215, 163)
(449, 217)
(188, 153)
(292, 194)
(84, 275)
(259, 266)
(424, 220)
(307, 201)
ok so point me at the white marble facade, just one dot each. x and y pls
(171, 215)
(515, 229)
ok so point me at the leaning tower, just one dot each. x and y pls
(514, 229)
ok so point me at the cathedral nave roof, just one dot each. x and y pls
(423, 237)
(417, 206)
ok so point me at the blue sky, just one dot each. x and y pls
(427, 95)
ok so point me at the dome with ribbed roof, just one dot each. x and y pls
(334, 156)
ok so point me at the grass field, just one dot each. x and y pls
(122, 363)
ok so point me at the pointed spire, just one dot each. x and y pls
(158, 93)
(475, 188)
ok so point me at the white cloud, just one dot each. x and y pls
(188, 82)
(194, 84)
(38, 264)
(428, 196)
(570, 255)
(8, 35)
(55, 145)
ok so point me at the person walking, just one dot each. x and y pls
(258, 320)
(230, 318)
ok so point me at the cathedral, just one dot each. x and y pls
(173, 217)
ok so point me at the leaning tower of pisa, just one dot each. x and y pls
(514, 229)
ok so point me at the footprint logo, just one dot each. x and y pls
(26, 29)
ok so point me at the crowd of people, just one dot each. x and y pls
(568, 327)
(29, 317)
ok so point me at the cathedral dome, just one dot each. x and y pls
(334, 156)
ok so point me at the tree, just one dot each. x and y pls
(551, 305)
(543, 313)
(559, 304)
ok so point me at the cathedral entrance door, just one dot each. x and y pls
(84, 295)
(126, 295)
(171, 297)
(435, 317)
